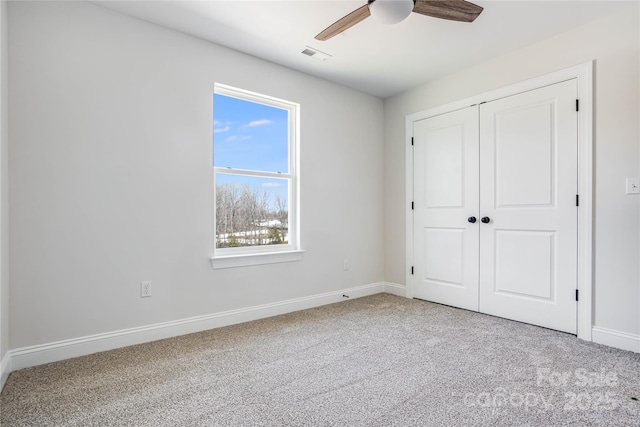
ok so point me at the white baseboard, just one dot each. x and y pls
(617, 339)
(45, 353)
(395, 289)
(5, 369)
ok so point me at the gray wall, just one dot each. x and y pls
(4, 184)
(111, 177)
(614, 44)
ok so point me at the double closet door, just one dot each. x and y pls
(495, 216)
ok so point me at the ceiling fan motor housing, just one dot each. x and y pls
(390, 11)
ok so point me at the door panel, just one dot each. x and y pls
(446, 194)
(518, 160)
(525, 264)
(448, 244)
(528, 175)
(444, 167)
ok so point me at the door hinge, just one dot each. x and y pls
(411, 140)
(577, 105)
(412, 269)
(576, 295)
(577, 200)
(411, 205)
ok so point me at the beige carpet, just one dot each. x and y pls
(375, 361)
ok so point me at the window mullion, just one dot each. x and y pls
(245, 172)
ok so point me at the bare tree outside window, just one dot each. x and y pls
(248, 216)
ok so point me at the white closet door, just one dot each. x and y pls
(528, 176)
(445, 196)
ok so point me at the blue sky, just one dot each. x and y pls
(247, 135)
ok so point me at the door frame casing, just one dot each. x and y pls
(584, 75)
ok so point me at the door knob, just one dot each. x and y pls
(471, 219)
(485, 220)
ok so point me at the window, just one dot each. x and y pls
(255, 178)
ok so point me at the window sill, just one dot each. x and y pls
(255, 259)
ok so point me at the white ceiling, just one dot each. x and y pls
(381, 60)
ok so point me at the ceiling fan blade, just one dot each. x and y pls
(453, 10)
(345, 23)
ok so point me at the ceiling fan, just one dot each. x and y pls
(394, 11)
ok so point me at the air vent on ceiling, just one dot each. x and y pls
(315, 54)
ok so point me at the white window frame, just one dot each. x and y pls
(268, 254)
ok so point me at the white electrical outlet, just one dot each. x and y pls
(145, 289)
(633, 185)
(345, 264)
